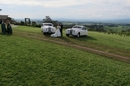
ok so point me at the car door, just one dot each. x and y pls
(84, 31)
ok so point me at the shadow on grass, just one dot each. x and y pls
(2, 34)
(47, 35)
(63, 38)
(66, 39)
(73, 39)
(70, 39)
(83, 38)
(5, 34)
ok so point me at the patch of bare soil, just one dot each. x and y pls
(91, 50)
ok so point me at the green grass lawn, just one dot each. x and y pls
(30, 62)
(105, 42)
(27, 29)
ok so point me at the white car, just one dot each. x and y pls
(48, 28)
(77, 30)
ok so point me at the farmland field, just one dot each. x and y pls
(118, 28)
(32, 62)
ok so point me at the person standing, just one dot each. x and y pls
(3, 26)
(61, 28)
(9, 28)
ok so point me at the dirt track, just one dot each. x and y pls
(91, 50)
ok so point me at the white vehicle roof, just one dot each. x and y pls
(48, 24)
(78, 26)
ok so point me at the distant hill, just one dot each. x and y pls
(125, 20)
(96, 20)
(119, 20)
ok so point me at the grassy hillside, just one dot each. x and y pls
(29, 62)
(105, 42)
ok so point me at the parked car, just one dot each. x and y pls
(77, 30)
(48, 28)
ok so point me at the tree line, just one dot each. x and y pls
(101, 28)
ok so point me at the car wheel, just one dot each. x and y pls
(78, 35)
(67, 34)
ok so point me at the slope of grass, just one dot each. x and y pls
(116, 41)
(27, 29)
(105, 42)
(29, 62)
(93, 37)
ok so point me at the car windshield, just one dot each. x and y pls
(77, 27)
(47, 24)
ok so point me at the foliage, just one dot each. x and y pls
(34, 23)
(22, 23)
(120, 30)
(111, 29)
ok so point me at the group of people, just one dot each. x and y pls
(6, 27)
(58, 32)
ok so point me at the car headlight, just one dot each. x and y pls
(74, 31)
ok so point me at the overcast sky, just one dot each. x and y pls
(69, 9)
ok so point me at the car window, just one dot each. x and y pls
(47, 24)
(77, 27)
(84, 28)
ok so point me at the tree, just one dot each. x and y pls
(22, 23)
